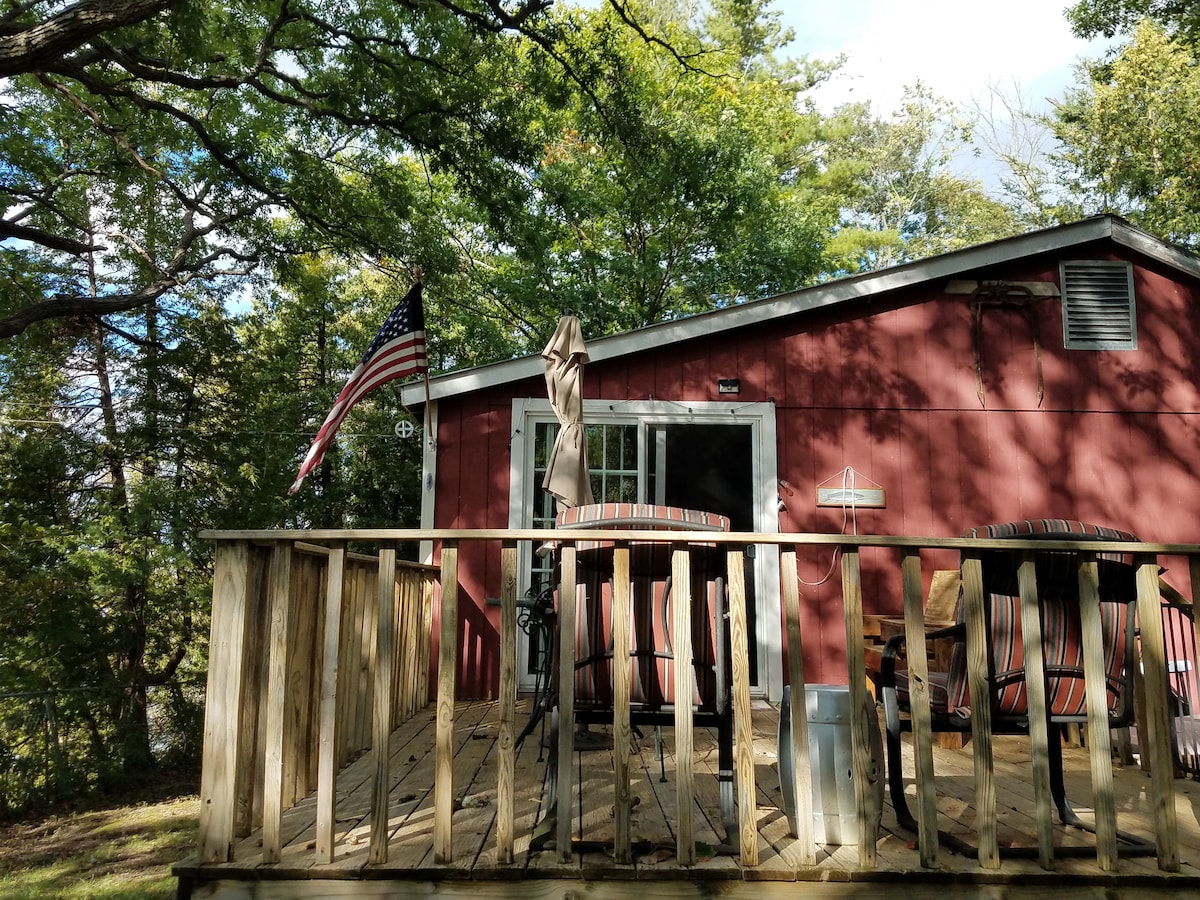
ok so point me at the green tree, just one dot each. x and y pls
(302, 340)
(684, 177)
(900, 199)
(223, 115)
(1126, 136)
(1092, 18)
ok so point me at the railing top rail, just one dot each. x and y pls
(573, 535)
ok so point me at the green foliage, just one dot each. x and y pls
(201, 120)
(662, 189)
(900, 200)
(1127, 136)
(1092, 18)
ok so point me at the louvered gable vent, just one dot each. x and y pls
(1097, 305)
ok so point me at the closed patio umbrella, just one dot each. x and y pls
(567, 471)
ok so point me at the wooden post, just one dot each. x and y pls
(223, 702)
(622, 729)
(304, 609)
(426, 638)
(348, 662)
(327, 736)
(981, 713)
(802, 801)
(1158, 742)
(865, 798)
(1039, 725)
(918, 691)
(381, 708)
(566, 698)
(681, 630)
(506, 738)
(743, 764)
(443, 786)
(406, 663)
(273, 739)
(252, 715)
(1096, 691)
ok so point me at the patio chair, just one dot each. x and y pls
(652, 682)
(1183, 679)
(1058, 598)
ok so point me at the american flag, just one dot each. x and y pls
(397, 351)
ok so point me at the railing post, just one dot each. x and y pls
(506, 738)
(865, 802)
(1096, 692)
(1039, 725)
(566, 699)
(681, 630)
(1162, 763)
(918, 688)
(443, 834)
(327, 727)
(981, 713)
(743, 726)
(802, 799)
(622, 729)
(274, 737)
(223, 703)
(381, 712)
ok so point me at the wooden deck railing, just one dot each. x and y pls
(344, 641)
(302, 678)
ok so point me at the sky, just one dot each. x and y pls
(956, 47)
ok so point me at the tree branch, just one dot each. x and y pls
(30, 48)
(45, 238)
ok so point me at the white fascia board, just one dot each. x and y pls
(1148, 245)
(947, 265)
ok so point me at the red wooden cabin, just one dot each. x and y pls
(1050, 374)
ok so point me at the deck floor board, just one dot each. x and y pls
(410, 847)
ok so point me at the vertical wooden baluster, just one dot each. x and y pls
(743, 726)
(802, 801)
(866, 799)
(567, 592)
(981, 713)
(1039, 726)
(381, 711)
(681, 631)
(622, 736)
(328, 741)
(228, 643)
(273, 739)
(918, 701)
(1096, 691)
(443, 785)
(506, 738)
(1162, 762)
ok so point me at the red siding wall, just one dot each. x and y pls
(888, 385)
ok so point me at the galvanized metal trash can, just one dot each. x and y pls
(831, 759)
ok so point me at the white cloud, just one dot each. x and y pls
(956, 47)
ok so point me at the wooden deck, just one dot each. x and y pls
(474, 870)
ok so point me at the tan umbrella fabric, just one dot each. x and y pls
(567, 472)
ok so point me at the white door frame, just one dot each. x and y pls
(527, 412)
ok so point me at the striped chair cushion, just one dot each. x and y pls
(652, 681)
(1057, 584)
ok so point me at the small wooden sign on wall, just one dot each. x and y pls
(861, 498)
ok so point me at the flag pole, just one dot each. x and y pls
(419, 273)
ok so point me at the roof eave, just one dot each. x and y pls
(947, 265)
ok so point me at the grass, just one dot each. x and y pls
(123, 853)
